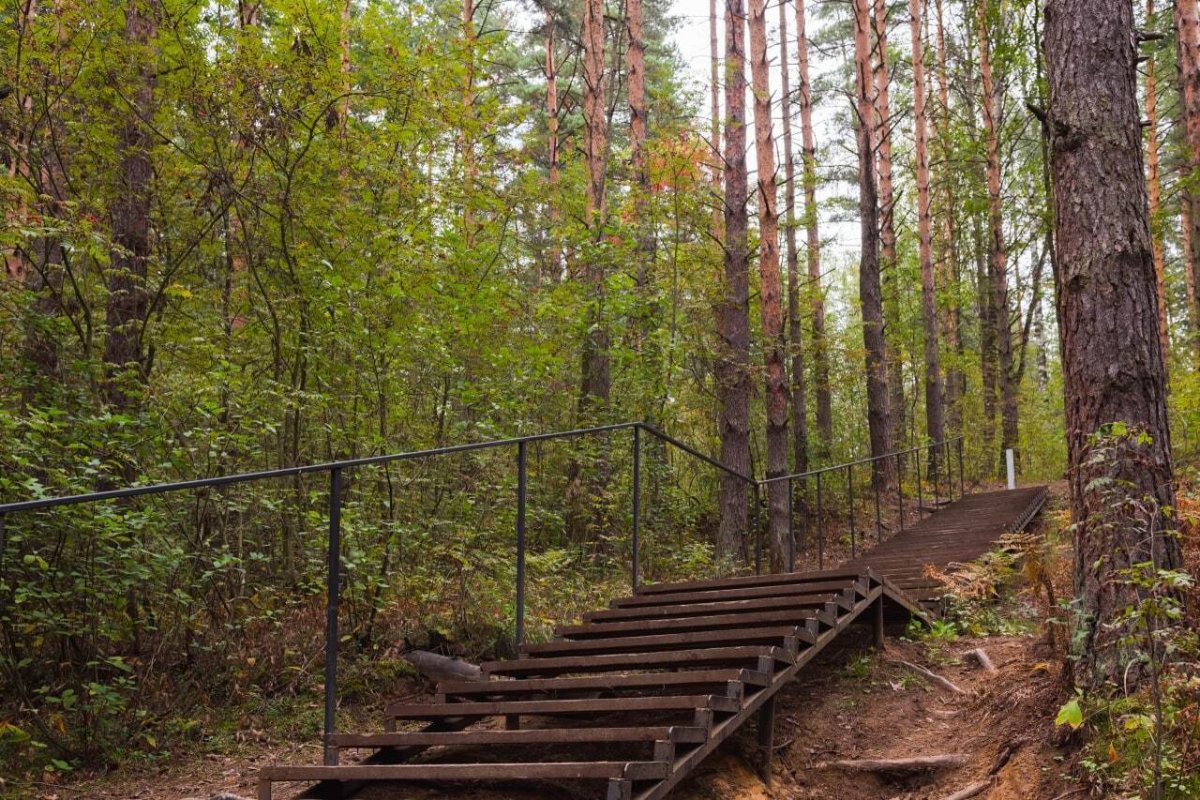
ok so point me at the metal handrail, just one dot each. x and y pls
(847, 464)
(521, 443)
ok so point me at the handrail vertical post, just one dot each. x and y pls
(900, 491)
(962, 486)
(522, 460)
(920, 489)
(820, 528)
(637, 501)
(757, 531)
(333, 597)
(791, 525)
(878, 518)
(850, 493)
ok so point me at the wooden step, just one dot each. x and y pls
(774, 579)
(763, 658)
(681, 734)
(722, 595)
(561, 770)
(787, 637)
(501, 708)
(797, 615)
(663, 681)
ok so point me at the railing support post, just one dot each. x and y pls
(878, 517)
(962, 486)
(637, 501)
(850, 512)
(820, 528)
(920, 488)
(522, 458)
(900, 491)
(333, 592)
(757, 532)
(791, 525)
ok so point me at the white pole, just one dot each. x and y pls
(1012, 472)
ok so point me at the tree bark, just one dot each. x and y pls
(795, 332)
(635, 65)
(715, 120)
(770, 292)
(820, 346)
(1154, 186)
(554, 267)
(997, 253)
(732, 368)
(888, 268)
(1113, 368)
(869, 290)
(1187, 43)
(934, 421)
(596, 383)
(128, 299)
(948, 261)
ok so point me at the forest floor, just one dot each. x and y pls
(852, 702)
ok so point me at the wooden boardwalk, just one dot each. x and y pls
(634, 698)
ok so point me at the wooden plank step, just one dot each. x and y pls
(590, 706)
(644, 680)
(562, 770)
(782, 636)
(719, 595)
(760, 657)
(797, 615)
(681, 734)
(773, 579)
(715, 606)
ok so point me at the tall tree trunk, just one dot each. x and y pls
(635, 60)
(466, 139)
(997, 254)
(934, 423)
(870, 292)
(554, 267)
(888, 265)
(820, 348)
(128, 299)
(951, 319)
(770, 291)
(715, 120)
(1113, 366)
(596, 380)
(1154, 186)
(1187, 42)
(732, 368)
(795, 333)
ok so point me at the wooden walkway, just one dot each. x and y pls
(634, 698)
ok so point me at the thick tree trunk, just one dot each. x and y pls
(997, 253)
(869, 290)
(596, 381)
(1154, 186)
(128, 298)
(1187, 42)
(888, 267)
(934, 422)
(733, 315)
(820, 346)
(795, 333)
(1113, 367)
(770, 291)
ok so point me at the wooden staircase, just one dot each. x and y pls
(632, 699)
